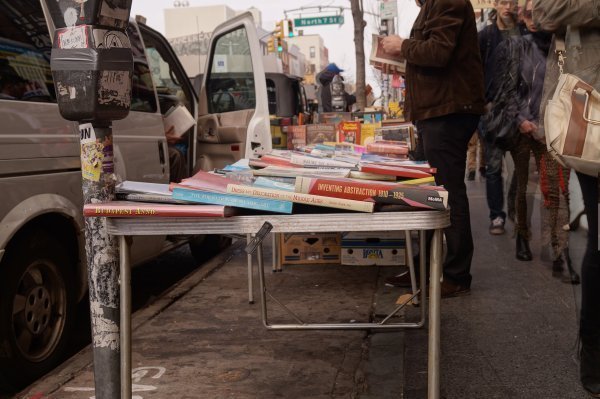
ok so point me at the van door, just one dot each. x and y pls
(233, 118)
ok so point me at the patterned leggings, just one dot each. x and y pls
(554, 185)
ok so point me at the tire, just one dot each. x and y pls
(204, 247)
(36, 309)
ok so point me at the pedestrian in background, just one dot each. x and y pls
(533, 46)
(503, 27)
(444, 97)
(325, 80)
(578, 24)
(475, 156)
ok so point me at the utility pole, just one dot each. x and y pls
(359, 46)
(92, 66)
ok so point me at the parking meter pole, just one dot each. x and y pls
(103, 263)
(92, 66)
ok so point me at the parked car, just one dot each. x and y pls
(42, 256)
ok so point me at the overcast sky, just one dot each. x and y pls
(338, 39)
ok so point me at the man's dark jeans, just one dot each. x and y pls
(445, 141)
(590, 269)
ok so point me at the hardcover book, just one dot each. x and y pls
(320, 133)
(293, 172)
(380, 192)
(311, 161)
(388, 147)
(398, 171)
(143, 209)
(349, 132)
(302, 198)
(239, 201)
(149, 197)
(296, 136)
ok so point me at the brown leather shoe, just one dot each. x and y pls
(399, 280)
(450, 289)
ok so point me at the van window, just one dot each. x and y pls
(230, 83)
(143, 98)
(25, 49)
(168, 88)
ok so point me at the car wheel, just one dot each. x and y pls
(36, 311)
(205, 247)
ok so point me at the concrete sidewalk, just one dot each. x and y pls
(513, 337)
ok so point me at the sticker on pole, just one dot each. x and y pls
(75, 37)
(92, 154)
(87, 133)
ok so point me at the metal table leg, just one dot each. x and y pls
(250, 281)
(411, 264)
(433, 361)
(125, 292)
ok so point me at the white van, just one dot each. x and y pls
(43, 270)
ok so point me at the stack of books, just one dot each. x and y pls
(324, 178)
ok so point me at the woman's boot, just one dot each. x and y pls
(589, 367)
(523, 251)
(573, 277)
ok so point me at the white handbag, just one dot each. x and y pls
(572, 122)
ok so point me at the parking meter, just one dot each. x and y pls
(338, 95)
(92, 66)
(92, 62)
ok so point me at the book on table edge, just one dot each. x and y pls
(145, 209)
(302, 198)
(205, 181)
(277, 171)
(238, 201)
(398, 171)
(149, 197)
(426, 197)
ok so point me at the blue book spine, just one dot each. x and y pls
(240, 201)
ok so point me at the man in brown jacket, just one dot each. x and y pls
(444, 97)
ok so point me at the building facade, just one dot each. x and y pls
(317, 55)
(189, 30)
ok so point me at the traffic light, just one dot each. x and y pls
(279, 45)
(290, 24)
(271, 45)
(278, 32)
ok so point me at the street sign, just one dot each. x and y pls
(326, 20)
(388, 9)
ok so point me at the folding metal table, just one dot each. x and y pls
(300, 223)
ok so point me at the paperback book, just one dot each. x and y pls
(239, 201)
(301, 198)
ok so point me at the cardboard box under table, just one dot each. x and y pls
(380, 248)
(309, 248)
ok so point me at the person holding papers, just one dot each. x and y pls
(444, 96)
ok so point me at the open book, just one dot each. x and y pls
(180, 118)
(385, 61)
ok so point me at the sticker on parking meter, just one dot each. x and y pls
(70, 38)
(86, 133)
(91, 161)
(70, 16)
